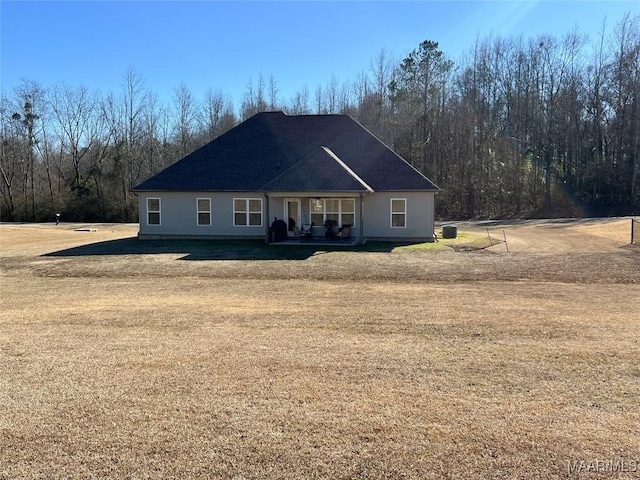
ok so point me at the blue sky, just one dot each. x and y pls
(224, 44)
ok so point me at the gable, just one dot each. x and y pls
(320, 171)
(274, 151)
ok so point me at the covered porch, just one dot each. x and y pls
(315, 218)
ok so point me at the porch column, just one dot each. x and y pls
(268, 222)
(361, 219)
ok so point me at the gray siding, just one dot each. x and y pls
(419, 216)
(179, 215)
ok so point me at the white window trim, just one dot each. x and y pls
(198, 212)
(392, 213)
(340, 211)
(344, 212)
(247, 212)
(159, 212)
(312, 212)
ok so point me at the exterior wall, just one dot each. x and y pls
(276, 209)
(179, 216)
(419, 223)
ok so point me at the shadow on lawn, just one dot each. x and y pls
(215, 249)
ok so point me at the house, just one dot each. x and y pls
(303, 169)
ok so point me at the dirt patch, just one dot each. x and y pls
(572, 235)
(43, 238)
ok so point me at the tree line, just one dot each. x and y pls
(517, 127)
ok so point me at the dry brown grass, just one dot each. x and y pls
(193, 363)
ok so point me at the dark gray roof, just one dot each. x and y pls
(273, 151)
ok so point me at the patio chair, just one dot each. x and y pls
(305, 233)
(344, 234)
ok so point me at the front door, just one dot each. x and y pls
(292, 214)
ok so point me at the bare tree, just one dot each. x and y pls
(331, 95)
(123, 116)
(299, 104)
(9, 158)
(319, 98)
(254, 99)
(381, 69)
(73, 110)
(217, 114)
(27, 112)
(625, 102)
(186, 109)
(273, 93)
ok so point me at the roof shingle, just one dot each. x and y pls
(274, 151)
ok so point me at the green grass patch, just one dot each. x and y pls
(441, 244)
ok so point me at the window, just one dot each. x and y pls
(348, 211)
(342, 210)
(153, 211)
(316, 207)
(398, 212)
(204, 211)
(247, 212)
(332, 209)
